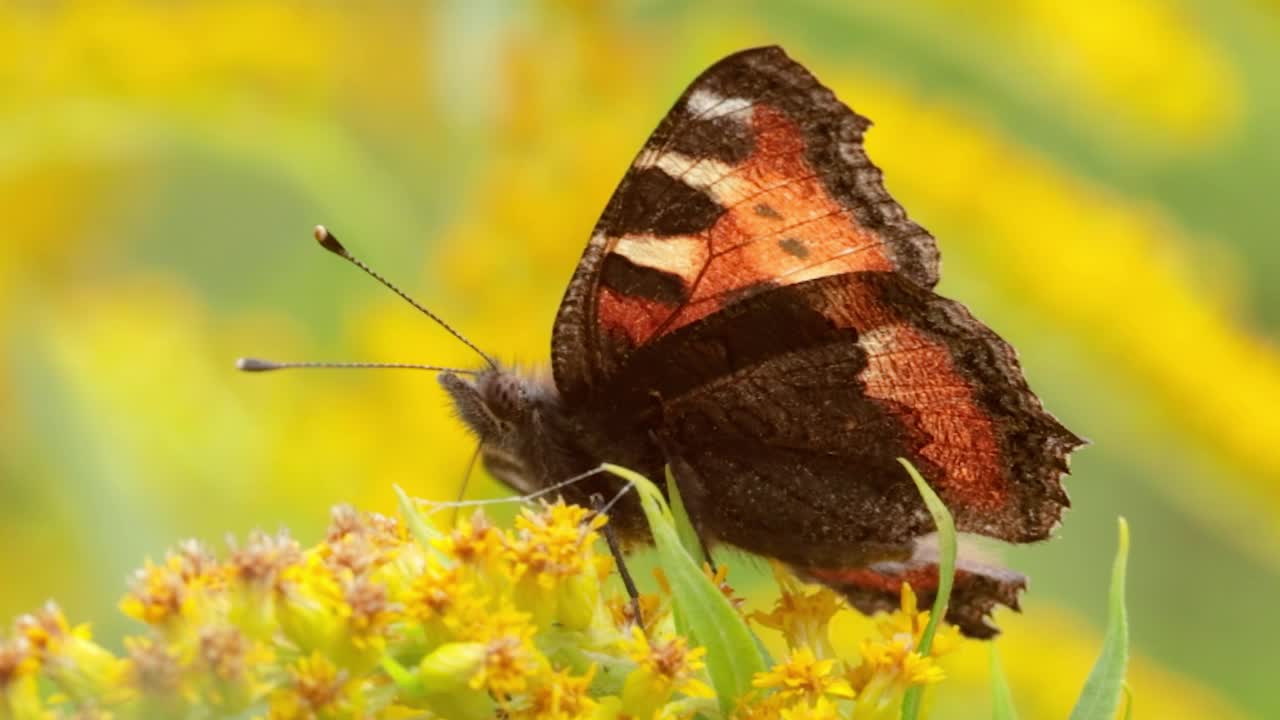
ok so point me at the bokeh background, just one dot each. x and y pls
(1102, 178)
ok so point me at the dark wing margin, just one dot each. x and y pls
(756, 178)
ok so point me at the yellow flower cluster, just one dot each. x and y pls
(385, 618)
(814, 683)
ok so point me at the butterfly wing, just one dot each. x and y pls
(976, 590)
(783, 416)
(788, 411)
(755, 179)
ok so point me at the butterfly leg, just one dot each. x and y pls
(611, 538)
(977, 588)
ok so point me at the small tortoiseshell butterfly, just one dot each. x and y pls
(756, 312)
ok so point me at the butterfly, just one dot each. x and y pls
(756, 314)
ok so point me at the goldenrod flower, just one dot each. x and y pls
(256, 573)
(232, 668)
(805, 676)
(823, 709)
(263, 560)
(437, 600)
(554, 563)
(474, 543)
(346, 620)
(720, 578)
(368, 610)
(664, 668)
(308, 606)
(82, 669)
(653, 608)
(510, 657)
(560, 696)
(19, 697)
(444, 681)
(357, 543)
(158, 594)
(316, 689)
(802, 617)
(891, 663)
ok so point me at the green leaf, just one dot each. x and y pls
(405, 679)
(732, 658)
(684, 527)
(946, 575)
(1001, 699)
(1100, 698)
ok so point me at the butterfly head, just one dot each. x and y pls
(513, 416)
(494, 403)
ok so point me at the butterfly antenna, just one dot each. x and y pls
(248, 364)
(330, 243)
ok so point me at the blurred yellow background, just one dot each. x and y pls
(1101, 179)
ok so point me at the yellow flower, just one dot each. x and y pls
(804, 676)
(232, 665)
(475, 543)
(358, 543)
(653, 610)
(82, 669)
(264, 558)
(152, 667)
(256, 573)
(316, 689)
(315, 612)
(510, 658)
(436, 598)
(906, 625)
(158, 594)
(720, 578)
(368, 612)
(891, 663)
(823, 709)
(561, 696)
(19, 695)
(554, 564)
(664, 668)
(803, 619)
(445, 676)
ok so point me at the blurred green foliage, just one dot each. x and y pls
(1100, 178)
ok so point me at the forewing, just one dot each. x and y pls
(788, 411)
(755, 179)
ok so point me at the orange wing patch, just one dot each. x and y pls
(904, 366)
(912, 370)
(779, 226)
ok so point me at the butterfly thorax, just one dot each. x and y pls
(531, 440)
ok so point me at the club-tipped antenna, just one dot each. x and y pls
(330, 243)
(248, 364)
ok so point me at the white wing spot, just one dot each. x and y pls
(714, 177)
(680, 255)
(704, 104)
